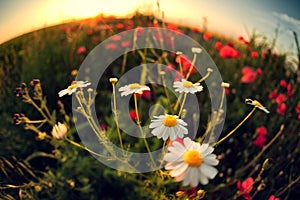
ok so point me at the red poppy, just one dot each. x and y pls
(146, 95)
(246, 187)
(90, 32)
(172, 27)
(248, 75)
(260, 141)
(103, 126)
(81, 50)
(283, 83)
(63, 29)
(119, 26)
(132, 115)
(261, 131)
(297, 109)
(274, 55)
(272, 197)
(280, 98)
(289, 87)
(259, 71)
(186, 64)
(111, 46)
(281, 108)
(218, 45)
(227, 91)
(196, 30)
(254, 54)
(229, 52)
(206, 36)
(273, 94)
(241, 38)
(115, 37)
(125, 44)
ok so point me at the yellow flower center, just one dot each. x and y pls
(72, 86)
(193, 158)
(187, 84)
(134, 86)
(169, 121)
(257, 103)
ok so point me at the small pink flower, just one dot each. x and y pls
(289, 87)
(297, 109)
(132, 115)
(280, 98)
(259, 71)
(246, 187)
(281, 108)
(261, 131)
(81, 50)
(272, 197)
(283, 83)
(248, 75)
(260, 141)
(218, 45)
(273, 94)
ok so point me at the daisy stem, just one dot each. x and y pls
(82, 147)
(204, 77)
(180, 64)
(192, 65)
(166, 91)
(215, 118)
(117, 120)
(182, 104)
(163, 152)
(178, 101)
(141, 130)
(231, 132)
(40, 111)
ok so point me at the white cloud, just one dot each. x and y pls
(287, 19)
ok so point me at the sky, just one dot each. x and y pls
(230, 17)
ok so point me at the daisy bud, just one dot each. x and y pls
(210, 70)
(113, 80)
(196, 50)
(59, 131)
(225, 85)
(178, 53)
(267, 163)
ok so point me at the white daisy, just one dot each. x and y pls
(59, 131)
(191, 162)
(196, 50)
(257, 104)
(187, 86)
(133, 88)
(73, 87)
(168, 126)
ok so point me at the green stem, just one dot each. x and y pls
(182, 105)
(140, 128)
(231, 132)
(117, 120)
(192, 65)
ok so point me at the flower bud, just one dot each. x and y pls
(113, 80)
(59, 131)
(267, 163)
